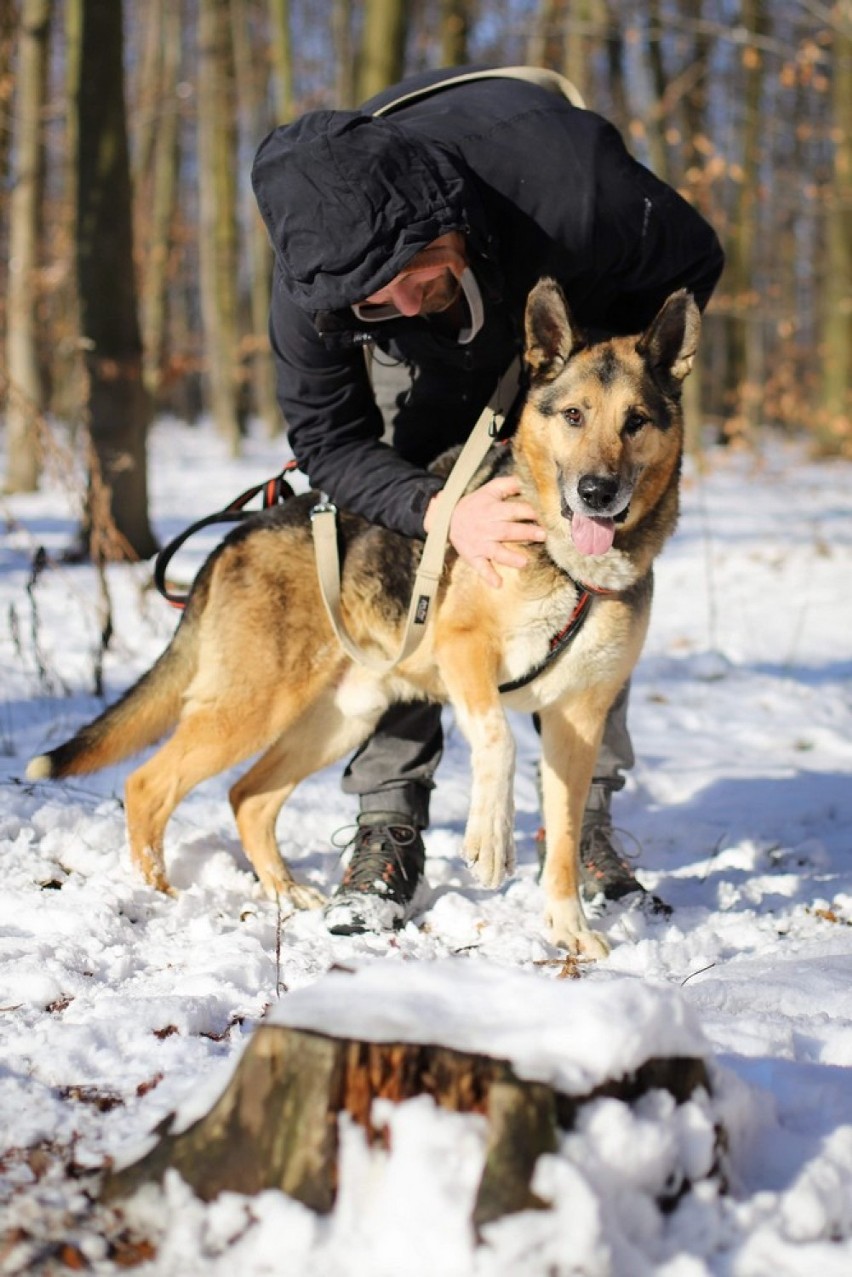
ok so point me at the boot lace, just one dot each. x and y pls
(386, 859)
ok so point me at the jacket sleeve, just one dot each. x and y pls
(335, 427)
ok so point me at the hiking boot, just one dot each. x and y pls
(378, 887)
(603, 869)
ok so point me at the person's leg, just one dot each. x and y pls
(392, 773)
(393, 770)
(392, 776)
(615, 755)
(604, 866)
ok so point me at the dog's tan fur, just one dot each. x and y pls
(255, 666)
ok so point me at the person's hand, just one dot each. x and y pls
(484, 524)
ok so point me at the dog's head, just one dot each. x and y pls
(604, 419)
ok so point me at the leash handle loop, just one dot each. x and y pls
(275, 490)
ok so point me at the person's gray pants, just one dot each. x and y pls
(394, 770)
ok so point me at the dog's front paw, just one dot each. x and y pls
(490, 850)
(569, 930)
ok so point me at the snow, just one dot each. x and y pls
(119, 1007)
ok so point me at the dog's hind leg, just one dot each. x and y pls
(320, 737)
(206, 741)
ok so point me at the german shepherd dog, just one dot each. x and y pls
(254, 664)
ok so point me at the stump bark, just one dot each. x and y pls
(275, 1125)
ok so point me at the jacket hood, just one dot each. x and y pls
(348, 199)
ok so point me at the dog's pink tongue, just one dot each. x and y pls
(592, 536)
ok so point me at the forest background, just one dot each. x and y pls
(135, 271)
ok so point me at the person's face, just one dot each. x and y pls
(428, 285)
(424, 290)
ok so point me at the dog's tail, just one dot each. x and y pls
(139, 718)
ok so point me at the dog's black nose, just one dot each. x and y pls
(598, 491)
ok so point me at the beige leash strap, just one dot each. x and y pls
(542, 76)
(324, 529)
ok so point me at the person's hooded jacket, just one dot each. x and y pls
(537, 186)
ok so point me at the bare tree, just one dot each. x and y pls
(24, 391)
(585, 23)
(117, 404)
(835, 415)
(455, 28)
(9, 21)
(281, 52)
(253, 96)
(545, 45)
(344, 53)
(381, 56)
(613, 42)
(744, 333)
(217, 191)
(157, 177)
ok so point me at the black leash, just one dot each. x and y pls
(274, 491)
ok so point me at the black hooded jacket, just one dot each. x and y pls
(537, 186)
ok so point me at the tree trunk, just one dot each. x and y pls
(24, 392)
(145, 90)
(9, 26)
(281, 52)
(275, 1126)
(745, 362)
(547, 35)
(162, 183)
(455, 27)
(217, 193)
(834, 420)
(614, 46)
(689, 172)
(118, 406)
(9, 22)
(252, 81)
(344, 54)
(381, 57)
(655, 75)
(580, 43)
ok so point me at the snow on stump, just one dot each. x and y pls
(524, 1051)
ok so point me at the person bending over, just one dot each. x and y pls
(418, 235)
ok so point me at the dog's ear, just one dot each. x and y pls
(551, 334)
(671, 340)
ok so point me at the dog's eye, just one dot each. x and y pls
(573, 416)
(634, 423)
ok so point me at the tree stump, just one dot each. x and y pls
(275, 1126)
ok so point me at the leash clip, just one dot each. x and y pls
(324, 506)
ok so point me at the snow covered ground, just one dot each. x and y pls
(118, 1007)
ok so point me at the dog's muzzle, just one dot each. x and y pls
(594, 505)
